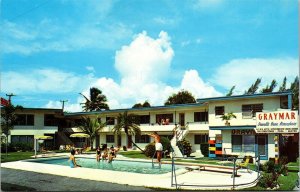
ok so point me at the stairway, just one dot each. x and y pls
(181, 132)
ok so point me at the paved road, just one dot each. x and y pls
(47, 182)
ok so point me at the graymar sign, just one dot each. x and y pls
(277, 122)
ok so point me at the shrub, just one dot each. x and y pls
(185, 147)
(165, 143)
(204, 149)
(124, 148)
(268, 180)
(269, 167)
(150, 149)
(10, 147)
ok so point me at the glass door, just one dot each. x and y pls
(262, 146)
(181, 119)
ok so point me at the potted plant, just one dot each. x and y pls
(227, 117)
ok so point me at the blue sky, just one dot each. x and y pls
(139, 50)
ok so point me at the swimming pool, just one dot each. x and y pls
(116, 165)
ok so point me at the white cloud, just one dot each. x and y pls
(144, 65)
(244, 72)
(185, 43)
(75, 107)
(164, 21)
(43, 81)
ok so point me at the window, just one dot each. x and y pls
(22, 139)
(200, 116)
(243, 143)
(201, 139)
(142, 139)
(249, 111)
(25, 119)
(110, 121)
(50, 120)
(249, 143)
(144, 119)
(159, 118)
(237, 143)
(110, 138)
(219, 110)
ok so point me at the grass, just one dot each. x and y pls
(286, 183)
(16, 156)
(133, 154)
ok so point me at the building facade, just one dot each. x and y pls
(202, 120)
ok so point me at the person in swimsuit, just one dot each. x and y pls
(112, 154)
(158, 145)
(98, 153)
(72, 160)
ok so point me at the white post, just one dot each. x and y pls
(35, 143)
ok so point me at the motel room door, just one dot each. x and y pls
(181, 119)
(261, 146)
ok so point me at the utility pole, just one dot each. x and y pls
(9, 97)
(63, 104)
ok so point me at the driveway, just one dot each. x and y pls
(47, 182)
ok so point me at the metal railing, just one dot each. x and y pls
(234, 174)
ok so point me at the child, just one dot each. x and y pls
(72, 160)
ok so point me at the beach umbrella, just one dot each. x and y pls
(43, 137)
(40, 137)
(80, 135)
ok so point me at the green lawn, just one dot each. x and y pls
(133, 154)
(15, 156)
(287, 183)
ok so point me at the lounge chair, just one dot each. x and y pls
(244, 164)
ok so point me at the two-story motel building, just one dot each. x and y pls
(202, 120)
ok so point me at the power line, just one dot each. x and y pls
(30, 10)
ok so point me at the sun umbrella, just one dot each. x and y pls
(79, 135)
(43, 137)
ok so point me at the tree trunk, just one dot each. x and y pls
(6, 146)
(135, 144)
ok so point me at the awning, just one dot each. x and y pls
(231, 127)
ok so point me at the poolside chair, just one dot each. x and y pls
(244, 164)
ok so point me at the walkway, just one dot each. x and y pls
(47, 182)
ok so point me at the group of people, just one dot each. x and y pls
(164, 121)
(101, 153)
(105, 154)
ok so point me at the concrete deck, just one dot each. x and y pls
(186, 177)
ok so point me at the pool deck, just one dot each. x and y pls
(186, 177)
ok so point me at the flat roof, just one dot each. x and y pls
(235, 97)
(136, 109)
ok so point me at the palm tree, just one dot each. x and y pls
(92, 127)
(9, 119)
(227, 117)
(128, 123)
(96, 102)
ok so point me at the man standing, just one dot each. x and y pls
(158, 145)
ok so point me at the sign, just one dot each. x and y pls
(277, 122)
(4, 102)
(243, 132)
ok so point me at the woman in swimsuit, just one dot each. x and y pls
(72, 160)
(98, 153)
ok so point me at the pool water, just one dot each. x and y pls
(116, 165)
